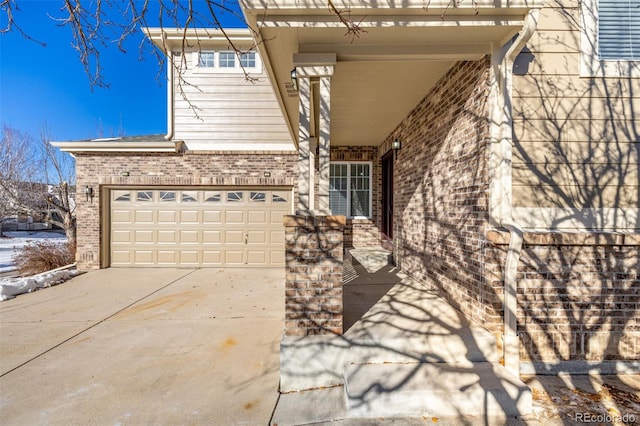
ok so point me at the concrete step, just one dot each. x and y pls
(463, 347)
(435, 390)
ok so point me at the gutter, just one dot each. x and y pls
(170, 93)
(502, 132)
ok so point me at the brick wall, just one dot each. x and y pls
(578, 295)
(101, 171)
(440, 192)
(314, 266)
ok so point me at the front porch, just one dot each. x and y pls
(405, 352)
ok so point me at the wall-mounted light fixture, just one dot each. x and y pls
(294, 79)
(396, 145)
(88, 193)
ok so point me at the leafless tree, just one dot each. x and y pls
(18, 174)
(36, 180)
(59, 174)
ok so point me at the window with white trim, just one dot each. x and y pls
(350, 189)
(248, 59)
(206, 59)
(610, 42)
(226, 61)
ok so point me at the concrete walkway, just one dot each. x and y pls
(144, 346)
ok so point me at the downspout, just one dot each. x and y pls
(503, 127)
(170, 96)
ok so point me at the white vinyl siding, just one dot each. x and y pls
(619, 30)
(222, 111)
(350, 189)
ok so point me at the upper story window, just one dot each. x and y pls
(248, 59)
(610, 42)
(226, 61)
(350, 189)
(206, 59)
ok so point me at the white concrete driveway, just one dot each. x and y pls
(144, 346)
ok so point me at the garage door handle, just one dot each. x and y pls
(246, 238)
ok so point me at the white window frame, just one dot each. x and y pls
(590, 64)
(217, 69)
(349, 164)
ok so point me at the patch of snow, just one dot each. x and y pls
(16, 240)
(11, 287)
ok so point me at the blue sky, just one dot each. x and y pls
(47, 84)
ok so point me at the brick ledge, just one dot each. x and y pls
(567, 238)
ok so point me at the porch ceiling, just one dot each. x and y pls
(383, 73)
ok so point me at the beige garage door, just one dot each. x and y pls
(185, 227)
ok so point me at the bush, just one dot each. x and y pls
(43, 256)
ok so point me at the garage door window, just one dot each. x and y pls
(258, 197)
(145, 196)
(189, 196)
(166, 196)
(212, 197)
(121, 196)
(234, 197)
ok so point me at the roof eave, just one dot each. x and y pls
(107, 147)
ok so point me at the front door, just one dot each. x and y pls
(387, 196)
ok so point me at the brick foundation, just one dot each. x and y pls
(104, 170)
(578, 295)
(314, 262)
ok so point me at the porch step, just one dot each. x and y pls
(372, 258)
(443, 390)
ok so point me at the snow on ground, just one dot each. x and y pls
(11, 287)
(10, 247)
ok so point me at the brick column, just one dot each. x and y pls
(314, 261)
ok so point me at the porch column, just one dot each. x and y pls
(324, 144)
(313, 73)
(305, 164)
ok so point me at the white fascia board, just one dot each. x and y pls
(434, 6)
(112, 146)
(175, 38)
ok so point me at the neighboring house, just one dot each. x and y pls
(493, 146)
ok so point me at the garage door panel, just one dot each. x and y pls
(167, 216)
(277, 257)
(211, 257)
(121, 257)
(234, 217)
(234, 237)
(211, 237)
(197, 227)
(143, 216)
(144, 236)
(189, 257)
(122, 237)
(189, 237)
(143, 257)
(257, 237)
(167, 237)
(212, 217)
(256, 257)
(275, 218)
(258, 217)
(121, 216)
(234, 257)
(167, 257)
(189, 216)
(276, 237)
